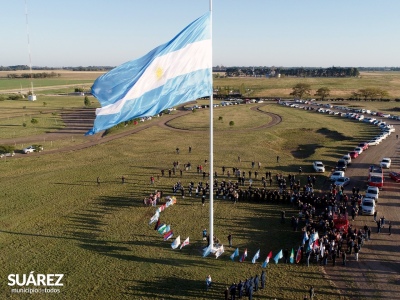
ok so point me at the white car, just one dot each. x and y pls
(32, 148)
(359, 150)
(385, 162)
(372, 192)
(342, 181)
(318, 166)
(374, 142)
(336, 175)
(368, 206)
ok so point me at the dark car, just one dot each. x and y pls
(395, 176)
(341, 165)
(353, 154)
(364, 146)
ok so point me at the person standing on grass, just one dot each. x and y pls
(98, 181)
(375, 215)
(390, 228)
(312, 293)
(277, 159)
(208, 282)
(230, 240)
(263, 279)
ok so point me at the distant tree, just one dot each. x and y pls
(44, 103)
(34, 121)
(87, 102)
(231, 123)
(322, 93)
(372, 93)
(300, 90)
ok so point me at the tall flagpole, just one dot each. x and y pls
(211, 144)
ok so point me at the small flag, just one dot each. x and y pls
(292, 256)
(298, 255)
(265, 263)
(154, 218)
(314, 237)
(176, 243)
(207, 250)
(244, 255)
(278, 256)
(176, 72)
(185, 242)
(162, 208)
(316, 245)
(219, 251)
(162, 229)
(157, 225)
(305, 237)
(235, 254)
(322, 249)
(168, 235)
(256, 256)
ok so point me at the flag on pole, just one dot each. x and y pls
(155, 217)
(176, 243)
(256, 256)
(244, 255)
(235, 254)
(185, 242)
(162, 229)
(207, 250)
(305, 237)
(298, 255)
(168, 235)
(157, 225)
(173, 73)
(265, 263)
(278, 256)
(292, 256)
(316, 245)
(219, 252)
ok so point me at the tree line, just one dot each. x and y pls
(34, 75)
(292, 72)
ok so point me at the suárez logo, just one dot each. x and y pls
(35, 279)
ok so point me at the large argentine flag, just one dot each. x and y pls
(173, 73)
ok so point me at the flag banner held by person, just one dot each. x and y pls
(219, 252)
(256, 256)
(176, 243)
(171, 74)
(292, 256)
(168, 235)
(244, 255)
(298, 255)
(154, 218)
(207, 250)
(278, 256)
(265, 263)
(235, 254)
(185, 243)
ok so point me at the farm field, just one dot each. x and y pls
(57, 219)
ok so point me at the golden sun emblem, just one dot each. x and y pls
(159, 73)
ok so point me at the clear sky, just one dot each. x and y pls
(312, 33)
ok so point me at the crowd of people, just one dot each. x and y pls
(246, 287)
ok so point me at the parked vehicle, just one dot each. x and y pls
(347, 158)
(318, 166)
(359, 150)
(372, 192)
(364, 146)
(368, 206)
(395, 176)
(385, 162)
(353, 154)
(335, 175)
(375, 177)
(342, 181)
(341, 165)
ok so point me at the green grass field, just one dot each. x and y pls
(56, 219)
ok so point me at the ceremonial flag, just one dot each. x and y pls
(278, 256)
(314, 237)
(219, 251)
(162, 229)
(207, 250)
(173, 73)
(176, 243)
(265, 263)
(185, 242)
(305, 237)
(235, 254)
(162, 208)
(244, 255)
(154, 218)
(168, 235)
(256, 256)
(157, 225)
(316, 245)
(298, 255)
(292, 256)
(321, 249)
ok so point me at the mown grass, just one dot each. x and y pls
(55, 219)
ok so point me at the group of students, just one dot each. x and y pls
(245, 287)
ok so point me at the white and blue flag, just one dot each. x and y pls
(171, 74)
